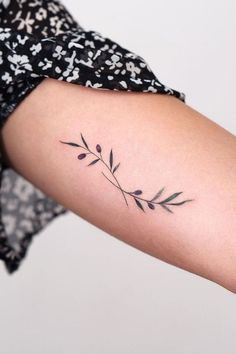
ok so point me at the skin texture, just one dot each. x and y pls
(159, 142)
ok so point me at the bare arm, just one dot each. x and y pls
(159, 144)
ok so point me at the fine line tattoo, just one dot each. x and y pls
(140, 202)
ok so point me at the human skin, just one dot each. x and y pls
(159, 141)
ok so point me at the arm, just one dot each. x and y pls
(162, 145)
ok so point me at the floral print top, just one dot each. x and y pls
(39, 39)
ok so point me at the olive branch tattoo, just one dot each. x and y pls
(165, 203)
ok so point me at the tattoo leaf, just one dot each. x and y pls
(166, 208)
(180, 203)
(158, 194)
(138, 204)
(151, 206)
(84, 141)
(171, 197)
(93, 162)
(115, 168)
(111, 159)
(72, 144)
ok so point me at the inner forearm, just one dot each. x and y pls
(159, 145)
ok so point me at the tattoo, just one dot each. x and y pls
(140, 202)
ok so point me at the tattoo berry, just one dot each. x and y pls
(81, 156)
(151, 206)
(137, 192)
(98, 148)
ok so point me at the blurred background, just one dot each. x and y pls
(81, 291)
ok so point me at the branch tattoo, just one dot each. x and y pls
(136, 195)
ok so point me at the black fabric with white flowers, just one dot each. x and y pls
(39, 39)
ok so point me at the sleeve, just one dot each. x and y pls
(81, 57)
(76, 56)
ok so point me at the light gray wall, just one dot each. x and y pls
(81, 291)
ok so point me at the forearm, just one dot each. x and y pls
(159, 142)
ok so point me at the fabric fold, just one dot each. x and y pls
(82, 57)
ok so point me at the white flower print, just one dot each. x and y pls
(35, 48)
(5, 2)
(112, 50)
(88, 63)
(4, 33)
(73, 44)
(12, 46)
(145, 65)
(70, 60)
(6, 185)
(44, 217)
(54, 8)
(59, 52)
(57, 70)
(20, 63)
(137, 81)
(12, 204)
(46, 64)
(114, 62)
(36, 3)
(58, 208)
(44, 31)
(168, 89)
(105, 48)
(21, 2)
(1, 61)
(27, 211)
(132, 55)
(99, 37)
(27, 22)
(16, 247)
(41, 14)
(26, 225)
(7, 77)
(56, 27)
(132, 68)
(66, 73)
(89, 84)
(22, 39)
(20, 235)
(75, 75)
(89, 43)
(39, 193)
(124, 84)
(9, 222)
(153, 83)
(151, 89)
(23, 189)
(35, 75)
(11, 254)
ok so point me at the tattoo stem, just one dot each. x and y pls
(136, 197)
(101, 159)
